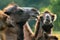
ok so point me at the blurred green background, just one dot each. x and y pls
(52, 5)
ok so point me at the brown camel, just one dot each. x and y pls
(46, 24)
(20, 15)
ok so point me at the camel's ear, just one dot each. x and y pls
(7, 11)
(54, 17)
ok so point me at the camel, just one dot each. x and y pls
(46, 25)
(20, 15)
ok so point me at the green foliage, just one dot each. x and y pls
(28, 3)
(55, 8)
(3, 3)
(36, 3)
(32, 24)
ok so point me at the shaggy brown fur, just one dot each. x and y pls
(3, 25)
(8, 28)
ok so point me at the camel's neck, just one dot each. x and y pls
(39, 31)
(20, 31)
